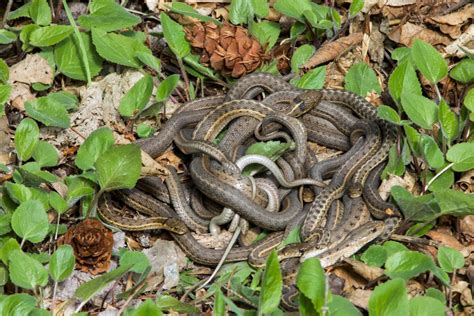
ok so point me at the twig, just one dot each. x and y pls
(5, 15)
(413, 240)
(185, 76)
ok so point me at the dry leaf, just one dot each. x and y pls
(458, 17)
(405, 34)
(466, 225)
(33, 68)
(399, 3)
(20, 94)
(359, 298)
(5, 151)
(351, 280)
(367, 272)
(443, 235)
(465, 42)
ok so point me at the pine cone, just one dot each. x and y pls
(228, 49)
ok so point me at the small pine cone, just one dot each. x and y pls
(228, 49)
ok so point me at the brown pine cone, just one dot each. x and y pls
(228, 49)
(92, 244)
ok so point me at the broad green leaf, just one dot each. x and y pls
(7, 248)
(422, 111)
(68, 100)
(78, 187)
(175, 36)
(361, 79)
(41, 196)
(23, 11)
(297, 29)
(193, 61)
(5, 224)
(26, 138)
(25, 35)
(19, 193)
(46, 154)
(135, 100)
(464, 71)
(149, 60)
(341, 306)
(118, 48)
(355, 7)
(300, 56)
(147, 308)
(261, 8)
(469, 100)
(119, 167)
(388, 114)
(240, 11)
(427, 59)
(400, 54)
(441, 275)
(403, 80)
(389, 299)
(305, 306)
(431, 152)
(455, 203)
(4, 71)
(41, 312)
(62, 263)
(17, 304)
(443, 182)
(437, 294)
(98, 142)
(187, 10)
(50, 35)
(87, 290)
(450, 259)
(166, 87)
(68, 58)
(219, 306)
(109, 17)
(416, 208)
(266, 33)
(313, 79)
(30, 221)
(449, 121)
(407, 264)
(5, 91)
(167, 302)
(144, 130)
(7, 37)
(25, 271)
(375, 256)
(462, 155)
(311, 282)
(426, 306)
(47, 112)
(40, 12)
(57, 202)
(271, 287)
(413, 138)
(293, 8)
(137, 260)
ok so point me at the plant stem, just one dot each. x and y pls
(185, 76)
(437, 93)
(5, 15)
(92, 211)
(79, 41)
(57, 227)
(53, 300)
(437, 175)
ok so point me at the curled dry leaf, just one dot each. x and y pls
(443, 235)
(20, 94)
(92, 244)
(367, 272)
(360, 298)
(408, 32)
(5, 157)
(332, 50)
(466, 182)
(462, 45)
(33, 68)
(466, 226)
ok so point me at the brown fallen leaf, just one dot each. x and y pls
(360, 298)
(461, 45)
(332, 50)
(5, 151)
(466, 226)
(444, 236)
(33, 68)
(406, 33)
(351, 280)
(20, 94)
(455, 18)
(466, 182)
(367, 272)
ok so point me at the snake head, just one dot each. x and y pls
(306, 102)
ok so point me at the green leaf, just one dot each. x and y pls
(416, 208)
(175, 36)
(135, 100)
(19, 193)
(355, 7)
(50, 35)
(341, 306)
(374, 256)
(193, 61)
(67, 55)
(450, 259)
(7, 37)
(46, 154)
(62, 263)
(17, 304)
(187, 10)
(25, 271)
(118, 48)
(5, 91)
(40, 312)
(422, 111)
(297, 29)
(4, 71)
(401, 54)
(5, 224)
(109, 17)
(144, 130)
(30, 221)
(389, 299)
(40, 12)
(240, 11)
(443, 182)
(57, 202)
(313, 79)
(7, 248)
(403, 80)
(25, 35)
(462, 155)
(455, 203)
(23, 11)
(137, 260)
(426, 306)
(149, 60)
(464, 71)
(293, 8)
(431, 152)
(87, 290)
(311, 282)
(98, 142)
(361, 79)
(437, 294)
(413, 138)
(266, 33)
(427, 59)
(166, 87)
(407, 264)
(469, 100)
(300, 56)
(26, 138)
(119, 167)
(271, 287)
(449, 121)
(388, 114)
(167, 302)
(47, 112)
(219, 305)
(147, 308)
(261, 8)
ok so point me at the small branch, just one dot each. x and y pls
(5, 14)
(185, 76)
(438, 93)
(438, 175)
